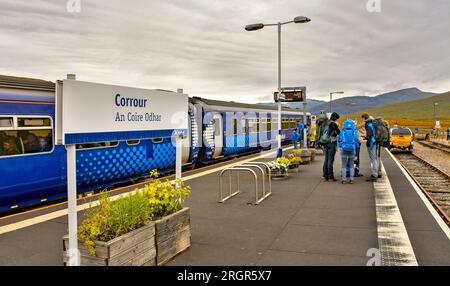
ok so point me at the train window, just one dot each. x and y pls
(263, 125)
(6, 122)
(25, 142)
(157, 140)
(98, 145)
(35, 135)
(401, 132)
(243, 127)
(216, 127)
(285, 124)
(133, 142)
(253, 125)
(234, 126)
(34, 122)
(293, 123)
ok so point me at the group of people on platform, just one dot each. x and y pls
(331, 138)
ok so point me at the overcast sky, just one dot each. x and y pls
(201, 45)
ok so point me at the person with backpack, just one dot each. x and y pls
(295, 138)
(328, 139)
(348, 144)
(371, 144)
(382, 138)
(321, 123)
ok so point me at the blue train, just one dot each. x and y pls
(33, 169)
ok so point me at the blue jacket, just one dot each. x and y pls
(349, 125)
(295, 136)
(370, 132)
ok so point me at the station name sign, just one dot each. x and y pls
(91, 112)
(293, 94)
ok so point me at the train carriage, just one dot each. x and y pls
(33, 169)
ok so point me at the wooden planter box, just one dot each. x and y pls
(313, 154)
(294, 166)
(135, 248)
(173, 235)
(306, 157)
(278, 175)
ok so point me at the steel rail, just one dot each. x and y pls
(441, 212)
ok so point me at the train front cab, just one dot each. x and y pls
(401, 139)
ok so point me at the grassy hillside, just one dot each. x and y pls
(417, 113)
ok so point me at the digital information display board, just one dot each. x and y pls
(292, 94)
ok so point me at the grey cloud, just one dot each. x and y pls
(202, 45)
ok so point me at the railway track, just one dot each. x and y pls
(436, 145)
(431, 180)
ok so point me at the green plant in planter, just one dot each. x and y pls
(293, 159)
(280, 164)
(112, 219)
(154, 174)
(165, 198)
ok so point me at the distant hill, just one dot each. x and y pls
(312, 103)
(348, 105)
(416, 113)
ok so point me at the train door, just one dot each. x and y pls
(218, 135)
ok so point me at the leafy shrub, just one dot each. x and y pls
(112, 219)
(280, 164)
(294, 159)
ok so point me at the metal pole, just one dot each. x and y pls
(280, 151)
(74, 255)
(434, 112)
(331, 98)
(305, 133)
(178, 155)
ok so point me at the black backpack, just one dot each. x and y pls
(381, 133)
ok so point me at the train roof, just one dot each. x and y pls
(26, 83)
(232, 104)
(23, 88)
(26, 89)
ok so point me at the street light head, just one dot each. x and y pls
(301, 19)
(254, 27)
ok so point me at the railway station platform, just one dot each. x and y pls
(306, 221)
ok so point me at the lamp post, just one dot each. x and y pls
(255, 27)
(434, 112)
(331, 96)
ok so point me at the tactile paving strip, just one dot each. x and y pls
(393, 241)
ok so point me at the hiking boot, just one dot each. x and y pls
(333, 179)
(351, 182)
(372, 179)
(343, 182)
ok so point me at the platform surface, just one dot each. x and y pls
(306, 221)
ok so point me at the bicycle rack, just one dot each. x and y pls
(269, 172)
(246, 167)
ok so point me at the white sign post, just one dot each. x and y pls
(91, 112)
(74, 254)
